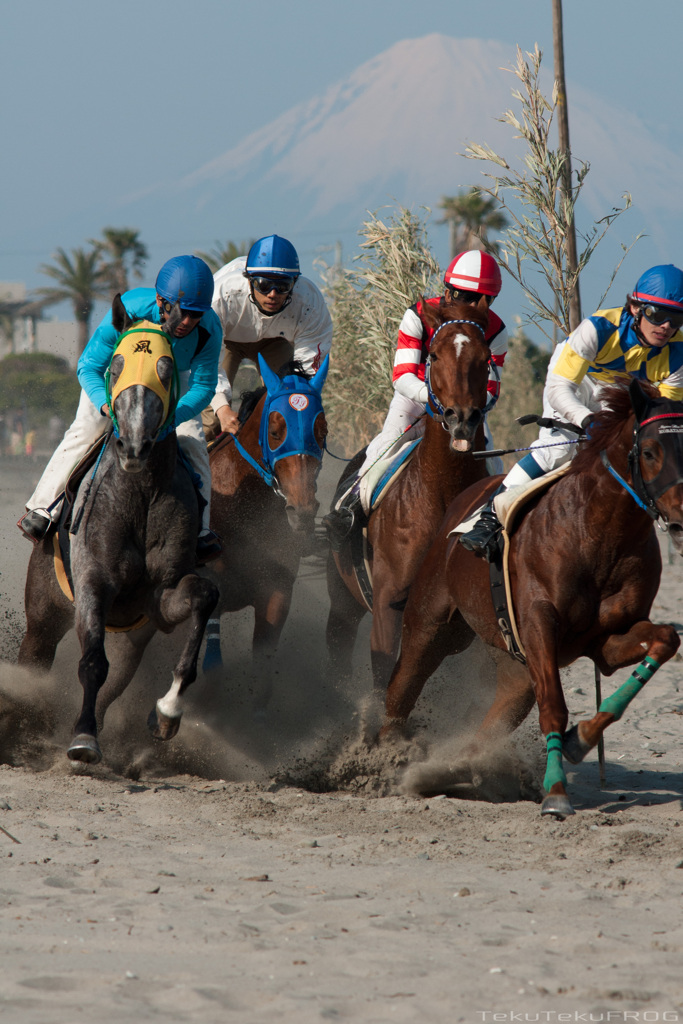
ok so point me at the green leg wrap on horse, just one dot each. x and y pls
(620, 700)
(554, 771)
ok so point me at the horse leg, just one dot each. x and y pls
(43, 634)
(195, 598)
(48, 615)
(660, 644)
(431, 632)
(125, 650)
(270, 614)
(541, 647)
(342, 623)
(514, 699)
(92, 672)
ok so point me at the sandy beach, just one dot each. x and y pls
(282, 871)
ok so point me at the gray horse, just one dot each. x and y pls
(132, 549)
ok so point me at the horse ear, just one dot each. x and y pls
(270, 379)
(431, 315)
(321, 374)
(639, 399)
(119, 315)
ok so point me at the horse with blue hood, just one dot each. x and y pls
(263, 504)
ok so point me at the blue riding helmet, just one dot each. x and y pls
(660, 286)
(273, 256)
(187, 280)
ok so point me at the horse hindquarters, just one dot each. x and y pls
(195, 598)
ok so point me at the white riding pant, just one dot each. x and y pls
(90, 424)
(547, 451)
(400, 422)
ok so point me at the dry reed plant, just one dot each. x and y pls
(539, 211)
(367, 302)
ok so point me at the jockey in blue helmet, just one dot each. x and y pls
(272, 269)
(265, 306)
(641, 339)
(196, 348)
(187, 280)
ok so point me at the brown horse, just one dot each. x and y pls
(584, 566)
(263, 505)
(401, 529)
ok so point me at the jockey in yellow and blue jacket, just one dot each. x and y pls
(643, 339)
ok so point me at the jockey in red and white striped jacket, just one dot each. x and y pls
(468, 277)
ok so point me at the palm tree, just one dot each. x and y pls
(81, 279)
(222, 254)
(123, 257)
(470, 216)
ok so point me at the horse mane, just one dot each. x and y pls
(608, 423)
(250, 399)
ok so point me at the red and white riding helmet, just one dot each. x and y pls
(474, 271)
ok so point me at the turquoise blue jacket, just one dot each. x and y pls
(141, 304)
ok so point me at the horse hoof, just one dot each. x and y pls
(84, 748)
(573, 747)
(161, 726)
(557, 805)
(392, 731)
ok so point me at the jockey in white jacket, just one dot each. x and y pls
(265, 305)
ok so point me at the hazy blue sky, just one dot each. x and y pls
(100, 98)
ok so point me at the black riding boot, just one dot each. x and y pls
(35, 525)
(340, 521)
(482, 539)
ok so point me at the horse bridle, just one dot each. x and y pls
(434, 407)
(642, 492)
(297, 442)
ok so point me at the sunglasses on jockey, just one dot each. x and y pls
(266, 285)
(660, 315)
(471, 298)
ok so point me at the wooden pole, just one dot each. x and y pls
(563, 130)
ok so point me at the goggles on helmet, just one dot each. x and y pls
(193, 314)
(660, 315)
(466, 296)
(265, 285)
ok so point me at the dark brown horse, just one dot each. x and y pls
(263, 505)
(401, 529)
(585, 567)
(133, 537)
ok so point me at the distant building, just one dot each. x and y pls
(23, 327)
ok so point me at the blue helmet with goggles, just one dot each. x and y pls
(660, 286)
(272, 256)
(187, 280)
